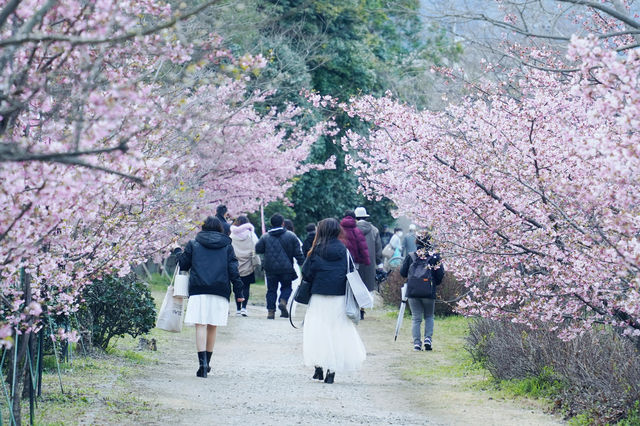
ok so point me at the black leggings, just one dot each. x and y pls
(246, 284)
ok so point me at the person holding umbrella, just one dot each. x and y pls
(424, 272)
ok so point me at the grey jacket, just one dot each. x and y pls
(374, 244)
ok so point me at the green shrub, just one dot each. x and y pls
(115, 306)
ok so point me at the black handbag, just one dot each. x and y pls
(303, 292)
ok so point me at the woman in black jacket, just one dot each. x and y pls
(330, 339)
(422, 307)
(212, 264)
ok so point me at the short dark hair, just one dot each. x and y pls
(310, 227)
(221, 209)
(212, 224)
(277, 220)
(350, 213)
(397, 229)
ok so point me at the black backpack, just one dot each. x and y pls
(420, 279)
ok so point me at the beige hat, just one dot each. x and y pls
(361, 212)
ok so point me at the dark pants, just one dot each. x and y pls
(272, 289)
(244, 293)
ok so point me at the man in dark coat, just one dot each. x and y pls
(221, 210)
(374, 245)
(308, 241)
(279, 247)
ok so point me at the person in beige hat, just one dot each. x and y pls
(372, 235)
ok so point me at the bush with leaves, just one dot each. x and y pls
(115, 306)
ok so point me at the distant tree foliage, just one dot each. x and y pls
(342, 48)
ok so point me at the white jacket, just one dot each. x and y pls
(243, 240)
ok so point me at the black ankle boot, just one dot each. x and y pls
(329, 377)
(318, 375)
(209, 361)
(202, 360)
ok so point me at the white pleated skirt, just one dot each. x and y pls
(330, 339)
(207, 309)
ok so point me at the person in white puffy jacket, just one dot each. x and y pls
(243, 240)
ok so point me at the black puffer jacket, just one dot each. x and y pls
(307, 243)
(212, 264)
(327, 269)
(280, 247)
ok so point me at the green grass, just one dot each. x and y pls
(158, 282)
(542, 386)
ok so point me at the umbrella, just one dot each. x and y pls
(403, 305)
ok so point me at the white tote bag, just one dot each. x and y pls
(170, 315)
(180, 283)
(351, 306)
(358, 287)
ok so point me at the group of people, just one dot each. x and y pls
(224, 253)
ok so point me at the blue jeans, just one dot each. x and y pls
(421, 308)
(272, 289)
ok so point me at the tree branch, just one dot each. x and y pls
(609, 11)
(36, 38)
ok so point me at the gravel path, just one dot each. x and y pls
(257, 378)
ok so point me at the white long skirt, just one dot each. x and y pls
(207, 309)
(330, 339)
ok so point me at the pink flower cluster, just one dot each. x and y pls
(113, 150)
(534, 200)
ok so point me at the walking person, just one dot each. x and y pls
(221, 212)
(212, 264)
(354, 239)
(330, 339)
(409, 241)
(374, 246)
(393, 258)
(280, 247)
(431, 271)
(308, 241)
(288, 225)
(243, 240)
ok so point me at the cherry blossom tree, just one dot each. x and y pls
(532, 194)
(119, 131)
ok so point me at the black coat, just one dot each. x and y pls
(307, 243)
(327, 271)
(212, 264)
(280, 247)
(225, 224)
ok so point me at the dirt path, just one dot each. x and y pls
(258, 378)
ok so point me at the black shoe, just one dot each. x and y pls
(427, 344)
(329, 377)
(319, 374)
(209, 361)
(361, 314)
(202, 360)
(283, 309)
(271, 314)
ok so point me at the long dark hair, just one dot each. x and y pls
(212, 224)
(327, 230)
